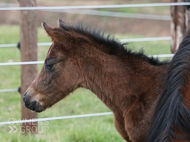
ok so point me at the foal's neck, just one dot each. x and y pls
(118, 81)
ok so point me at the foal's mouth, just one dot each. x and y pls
(32, 105)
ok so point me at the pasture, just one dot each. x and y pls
(93, 129)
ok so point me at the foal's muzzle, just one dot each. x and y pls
(32, 105)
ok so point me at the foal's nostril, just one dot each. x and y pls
(25, 93)
(24, 97)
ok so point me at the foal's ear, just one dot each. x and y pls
(48, 29)
(60, 23)
(63, 25)
(56, 34)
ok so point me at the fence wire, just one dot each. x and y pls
(121, 40)
(96, 6)
(115, 14)
(56, 118)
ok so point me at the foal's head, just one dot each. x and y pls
(61, 72)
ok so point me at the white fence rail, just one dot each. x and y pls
(21, 63)
(95, 6)
(8, 90)
(115, 14)
(41, 62)
(121, 40)
(56, 118)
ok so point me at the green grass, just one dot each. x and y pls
(94, 129)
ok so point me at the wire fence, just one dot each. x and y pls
(104, 13)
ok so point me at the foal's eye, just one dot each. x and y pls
(49, 66)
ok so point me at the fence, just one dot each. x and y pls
(47, 44)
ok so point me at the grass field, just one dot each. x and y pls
(94, 129)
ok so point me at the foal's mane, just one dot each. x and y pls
(114, 46)
(171, 114)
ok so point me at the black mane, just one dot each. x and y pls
(114, 45)
(171, 113)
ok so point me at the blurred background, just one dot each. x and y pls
(92, 129)
(109, 24)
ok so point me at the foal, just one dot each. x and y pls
(128, 83)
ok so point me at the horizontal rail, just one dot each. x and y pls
(162, 56)
(56, 118)
(41, 62)
(8, 45)
(121, 40)
(8, 90)
(15, 45)
(115, 14)
(22, 63)
(96, 6)
(146, 39)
